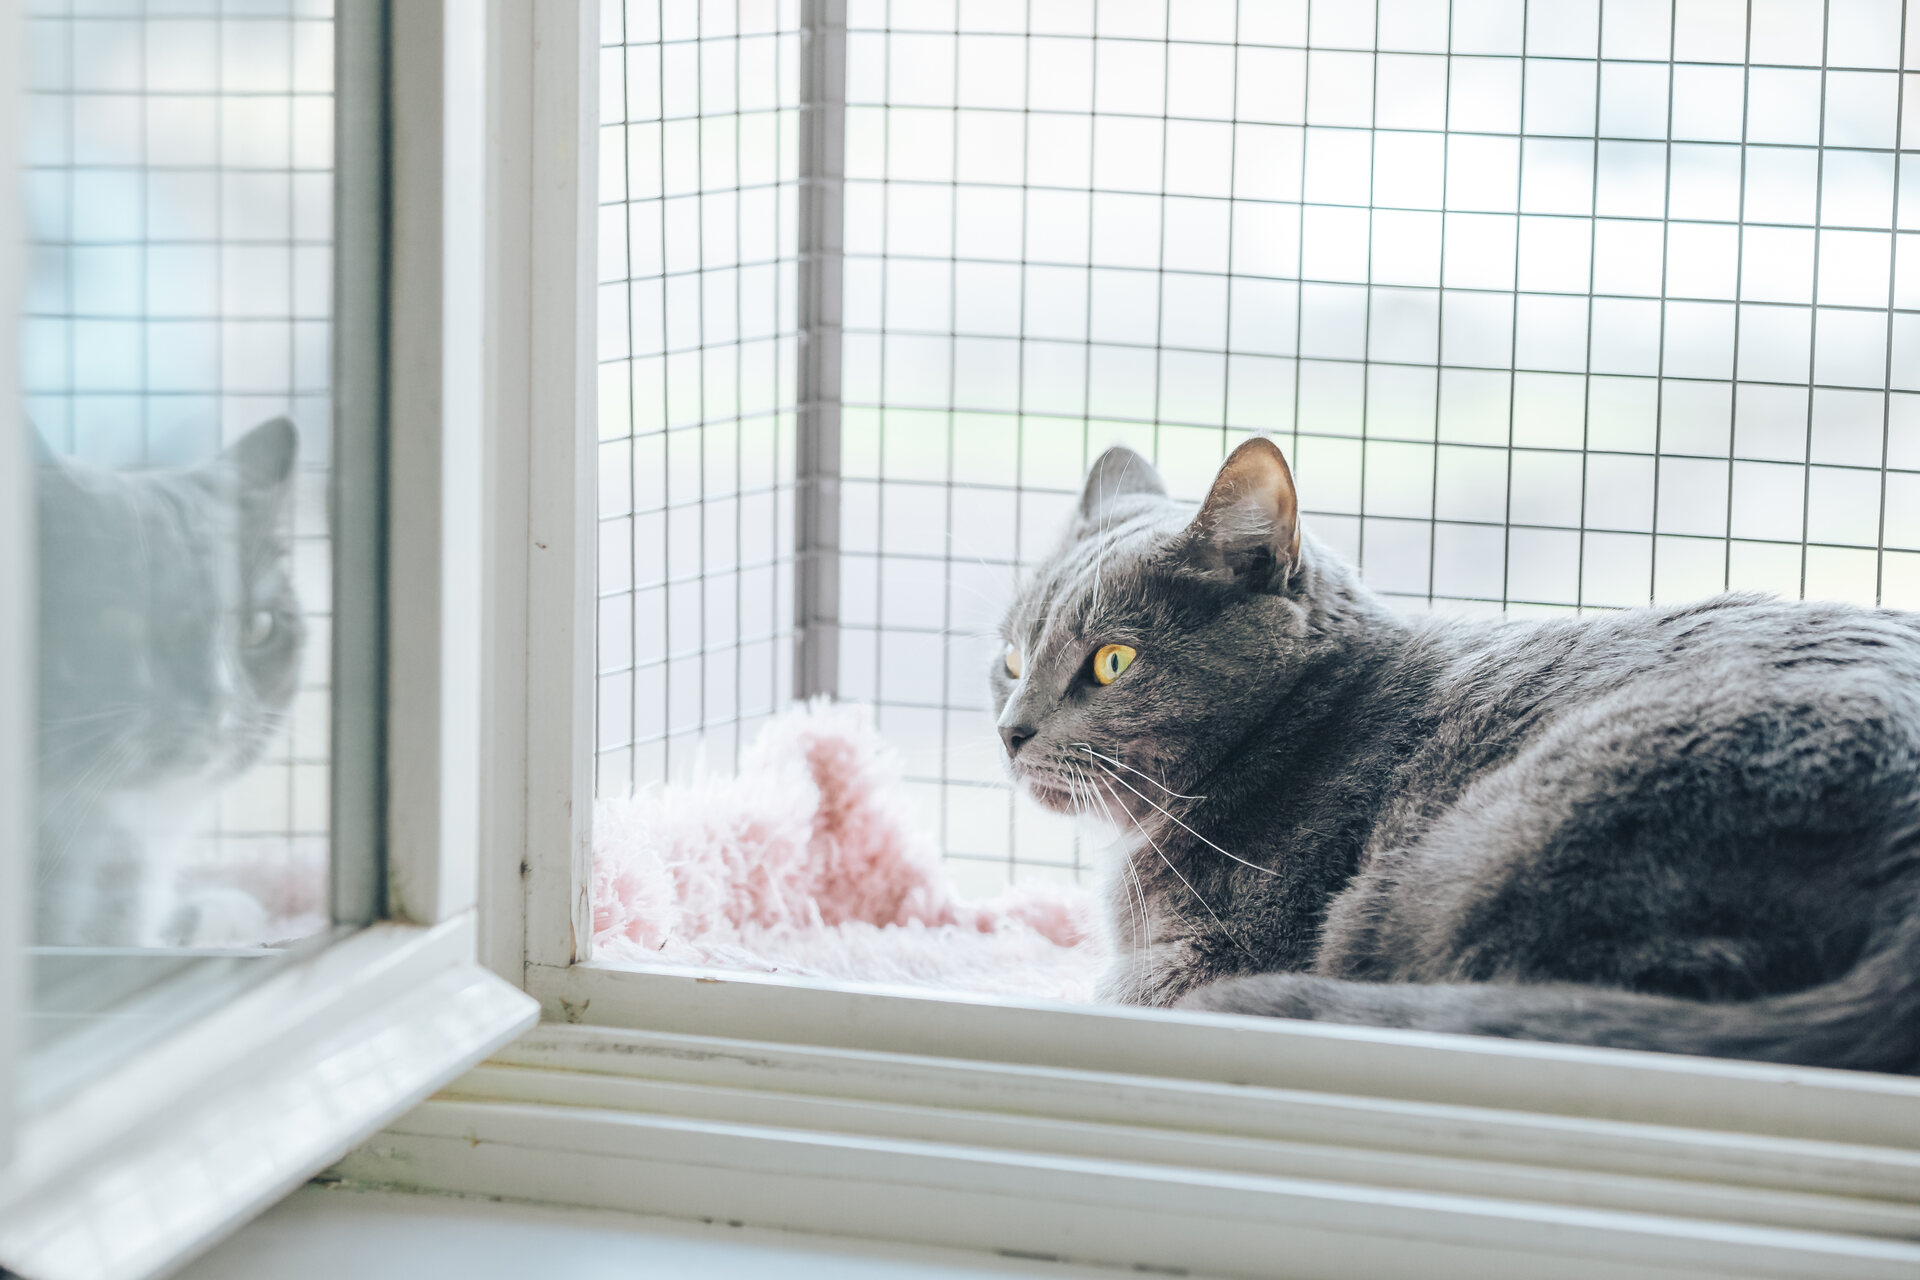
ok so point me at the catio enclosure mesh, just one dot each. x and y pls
(1553, 305)
(698, 339)
(179, 193)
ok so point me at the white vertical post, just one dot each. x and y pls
(17, 611)
(541, 347)
(435, 433)
(823, 117)
(503, 860)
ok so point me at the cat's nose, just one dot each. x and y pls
(1014, 735)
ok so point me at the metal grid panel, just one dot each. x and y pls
(699, 335)
(1554, 305)
(179, 186)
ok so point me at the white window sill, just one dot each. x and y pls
(1168, 1141)
(323, 1233)
(150, 1163)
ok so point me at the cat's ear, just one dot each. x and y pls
(263, 458)
(1115, 474)
(1250, 523)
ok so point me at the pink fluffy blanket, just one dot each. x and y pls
(806, 863)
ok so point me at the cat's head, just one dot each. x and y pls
(1145, 648)
(170, 634)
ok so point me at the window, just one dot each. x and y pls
(721, 348)
(178, 318)
(1020, 233)
(231, 581)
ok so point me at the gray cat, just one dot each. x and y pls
(1693, 829)
(169, 646)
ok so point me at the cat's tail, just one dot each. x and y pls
(1868, 1018)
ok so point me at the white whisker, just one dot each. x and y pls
(83, 792)
(1129, 878)
(1265, 871)
(1189, 886)
(1083, 792)
(1080, 785)
(1088, 748)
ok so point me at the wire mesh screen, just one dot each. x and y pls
(179, 187)
(698, 338)
(1554, 306)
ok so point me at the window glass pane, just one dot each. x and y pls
(175, 372)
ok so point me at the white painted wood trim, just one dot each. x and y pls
(436, 398)
(1493, 1151)
(18, 674)
(538, 849)
(1160, 1140)
(146, 1166)
(142, 1167)
(1361, 1062)
(1138, 1172)
(504, 716)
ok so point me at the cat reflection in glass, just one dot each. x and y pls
(169, 651)
(1691, 828)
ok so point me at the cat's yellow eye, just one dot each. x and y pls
(1014, 665)
(1111, 661)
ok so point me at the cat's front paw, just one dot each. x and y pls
(217, 918)
(1120, 984)
(1156, 978)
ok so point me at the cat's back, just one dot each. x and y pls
(1725, 648)
(1638, 775)
(1737, 673)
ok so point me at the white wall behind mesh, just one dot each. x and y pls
(698, 337)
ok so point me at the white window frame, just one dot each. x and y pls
(1161, 1139)
(16, 627)
(154, 1160)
